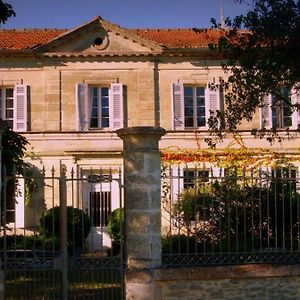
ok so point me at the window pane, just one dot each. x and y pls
(10, 123)
(104, 102)
(94, 112)
(200, 101)
(94, 123)
(287, 111)
(188, 111)
(201, 121)
(105, 112)
(9, 93)
(189, 122)
(104, 92)
(201, 111)
(105, 122)
(9, 103)
(287, 122)
(200, 91)
(188, 91)
(188, 101)
(95, 102)
(9, 114)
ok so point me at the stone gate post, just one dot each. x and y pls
(142, 186)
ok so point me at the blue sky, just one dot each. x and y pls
(126, 13)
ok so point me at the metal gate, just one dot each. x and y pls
(55, 242)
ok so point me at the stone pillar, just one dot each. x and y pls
(142, 203)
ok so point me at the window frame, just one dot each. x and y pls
(100, 116)
(271, 113)
(212, 101)
(84, 106)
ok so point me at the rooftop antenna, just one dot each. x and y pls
(222, 15)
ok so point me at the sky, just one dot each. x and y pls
(126, 13)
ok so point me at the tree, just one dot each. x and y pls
(12, 163)
(261, 50)
(13, 150)
(6, 11)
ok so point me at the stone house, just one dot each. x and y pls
(67, 91)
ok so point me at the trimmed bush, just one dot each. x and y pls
(114, 229)
(78, 227)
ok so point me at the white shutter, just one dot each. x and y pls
(82, 102)
(20, 203)
(295, 99)
(116, 109)
(178, 106)
(212, 102)
(20, 107)
(266, 112)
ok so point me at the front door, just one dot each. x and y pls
(101, 197)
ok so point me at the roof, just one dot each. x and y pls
(30, 39)
(12, 39)
(181, 38)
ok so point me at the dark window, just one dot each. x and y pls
(100, 208)
(192, 178)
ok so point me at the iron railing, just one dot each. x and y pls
(212, 216)
(51, 246)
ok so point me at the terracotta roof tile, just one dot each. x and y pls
(27, 38)
(181, 38)
(171, 38)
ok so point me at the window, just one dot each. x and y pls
(193, 105)
(99, 107)
(281, 110)
(13, 106)
(277, 112)
(284, 179)
(100, 208)
(192, 178)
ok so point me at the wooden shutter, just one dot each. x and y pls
(20, 107)
(266, 112)
(20, 204)
(178, 106)
(83, 117)
(116, 109)
(212, 102)
(295, 99)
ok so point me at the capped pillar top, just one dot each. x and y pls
(141, 138)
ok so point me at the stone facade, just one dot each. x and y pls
(262, 282)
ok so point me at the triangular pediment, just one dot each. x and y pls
(100, 37)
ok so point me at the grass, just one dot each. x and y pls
(84, 283)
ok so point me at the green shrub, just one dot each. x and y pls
(114, 225)
(114, 230)
(78, 227)
(180, 244)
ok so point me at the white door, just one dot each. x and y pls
(101, 197)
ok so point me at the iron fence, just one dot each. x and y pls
(215, 216)
(54, 240)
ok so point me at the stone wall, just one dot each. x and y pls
(262, 282)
